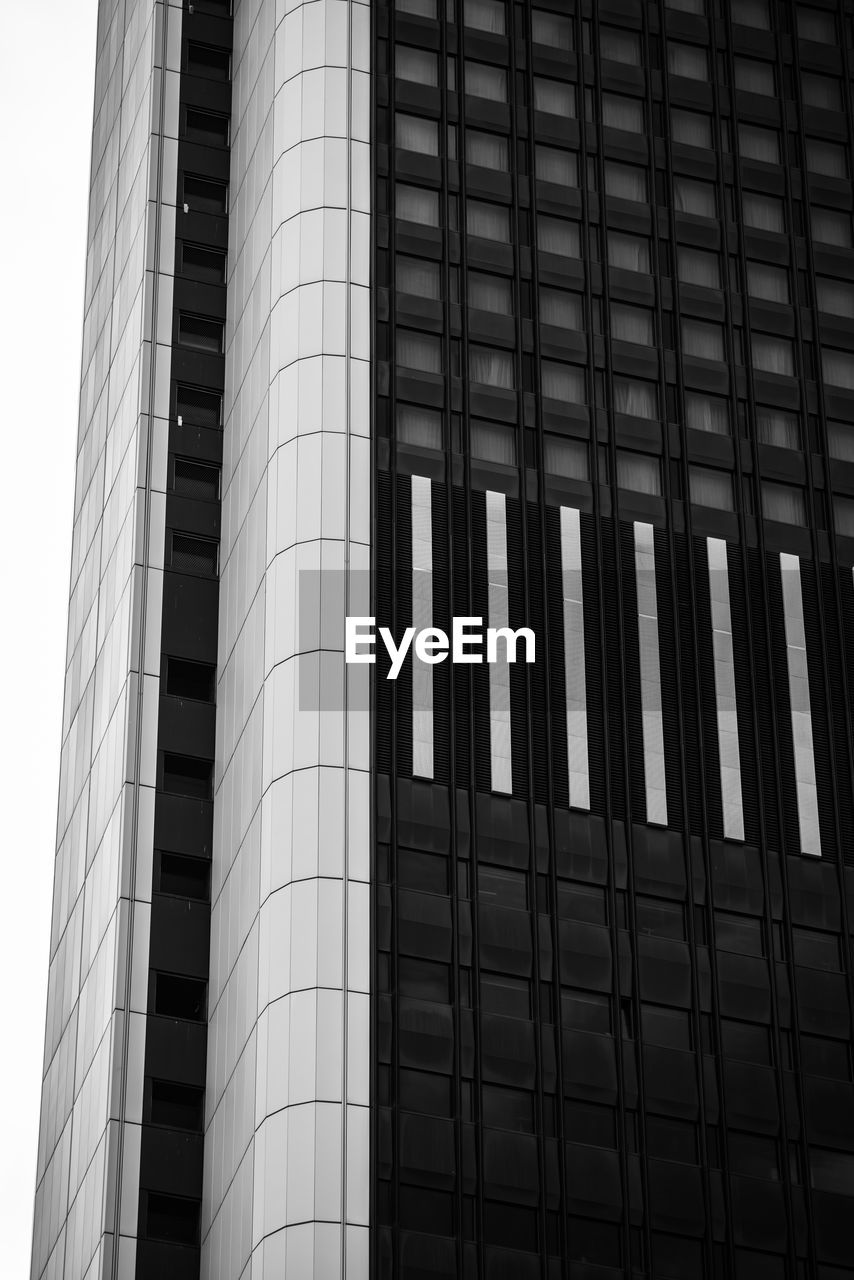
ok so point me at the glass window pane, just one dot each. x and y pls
(756, 143)
(755, 77)
(485, 15)
(837, 368)
(418, 8)
(554, 97)
(752, 13)
(620, 45)
(560, 308)
(821, 91)
(413, 133)
(638, 471)
(840, 440)
(489, 150)
(628, 253)
(843, 516)
(692, 196)
(491, 367)
(491, 442)
(490, 293)
(772, 354)
(419, 351)
(484, 81)
(686, 6)
(640, 399)
(568, 458)
(417, 65)
(816, 24)
(489, 221)
(551, 29)
(631, 324)
(776, 427)
(419, 426)
(691, 129)
(418, 277)
(696, 266)
(416, 204)
(769, 283)
(559, 167)
(706, 413)
(626, 181)
(783, 503)
(765, 213)
(702, 339)
(687, 60)
(562, 382)
(832, 226)
(622, 113)
(710, 488)
(554, 235)
(835, 296)
(826, 158)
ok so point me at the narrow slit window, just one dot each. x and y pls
(498, 616)
(573, 642)
(799, 698)
(725, 690)
(650, 676)
(422, 618)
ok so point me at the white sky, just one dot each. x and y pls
(47, 67)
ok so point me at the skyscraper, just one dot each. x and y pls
(538, 314)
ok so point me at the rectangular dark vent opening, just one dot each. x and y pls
(194, 555)
(201, 333)
(178, 997)
(171, 1218)
(208, 61)
(206, 127)
(188, 776)
(177, 1106)
(201, 408)
(183, 877)
(205, 195)
(196, 480)
(203, 264)
(186, 679)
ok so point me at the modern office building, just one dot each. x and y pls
(540, 313)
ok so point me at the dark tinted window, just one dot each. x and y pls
(203, 264)
(195, 480)
(185, 679)
(205, 195)
(206, 60)
(177, 1106)
(194, 555)
(188, 776)
(202, 408)
(184, 877)
(424, 979)
(179, 997)
(201, 333)
(425, 871)
(207, 128)
(171, 1218)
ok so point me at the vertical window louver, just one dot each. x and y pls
(726, 706)
(462, 674)
(575, 686)
(799, 697)
(421, 515)
(442, 619)
(403, 607)
(670, 685)
(498, 615)
(383, 735)
(655, 785)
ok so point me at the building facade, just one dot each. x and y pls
(541, 314)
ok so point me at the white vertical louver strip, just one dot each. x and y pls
(573, 647)
(799, 697)
(499, 616)
(422, 617)
(650, 676)
(725, 699)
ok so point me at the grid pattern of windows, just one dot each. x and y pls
(643, 323)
